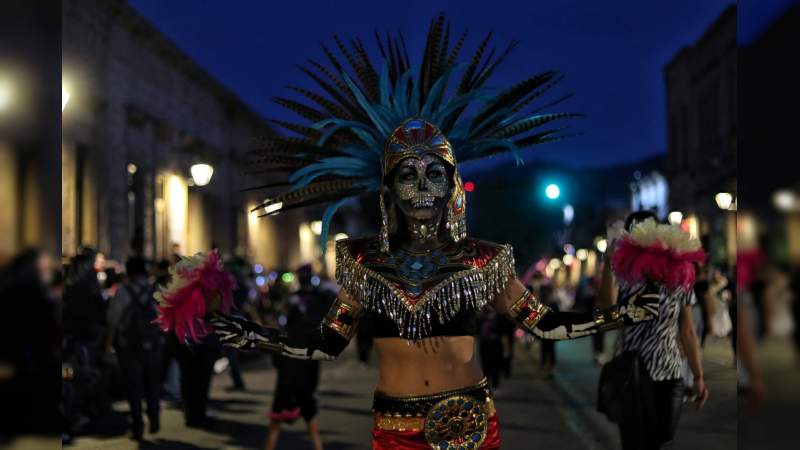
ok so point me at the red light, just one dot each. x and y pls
(469, 186)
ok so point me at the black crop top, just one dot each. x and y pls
(418, 295)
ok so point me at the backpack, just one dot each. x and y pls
(137, 331)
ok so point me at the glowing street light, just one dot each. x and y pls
(675, 217)
(201, 173)
(724, 200)
(568, 259)
(316, 227)
(784, 200)
(569, 214)
(552, 191)
(5, 96)
(582, 254)
(602, 245)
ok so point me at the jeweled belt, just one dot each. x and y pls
(455, 419)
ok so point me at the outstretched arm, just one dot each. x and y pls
(325, 342)
(519, 304)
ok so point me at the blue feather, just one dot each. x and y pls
(326, 223)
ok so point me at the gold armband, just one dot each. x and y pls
(528, 311)
(342, 318)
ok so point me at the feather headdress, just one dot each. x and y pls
(338, 152)
(664, 254)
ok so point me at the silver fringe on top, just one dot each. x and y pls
(468, 290)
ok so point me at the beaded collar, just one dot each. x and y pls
(415, 288)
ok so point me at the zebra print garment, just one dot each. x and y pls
(657, 341)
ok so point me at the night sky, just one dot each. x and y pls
(612, 53)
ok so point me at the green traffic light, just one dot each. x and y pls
(552, 191)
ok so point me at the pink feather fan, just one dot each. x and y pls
(199, 285)
(663, 254)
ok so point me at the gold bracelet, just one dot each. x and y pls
(342, 318)
(527, 310)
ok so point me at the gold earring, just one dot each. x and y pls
(384, 226)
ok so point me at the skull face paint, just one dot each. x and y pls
(420, 187)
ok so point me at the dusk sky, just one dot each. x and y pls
(612, 53)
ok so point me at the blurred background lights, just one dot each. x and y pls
(287, 277)
(340, 236)
(260, 281)
(469, 186)
(724, 200)
(582, 254)
(675, 217)
(568, 260)
(5, 95)
(64, 97)
(602, 245)
(258, 268)
(569, 214)
(316, 227)
(315, 280)
(784, 200)
(552, 191)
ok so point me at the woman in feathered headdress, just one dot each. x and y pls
(400, 131)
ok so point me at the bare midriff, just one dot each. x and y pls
(429, 366)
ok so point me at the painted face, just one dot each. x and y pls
(420, 186)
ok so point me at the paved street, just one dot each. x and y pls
(534, 412)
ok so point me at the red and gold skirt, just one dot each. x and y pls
(460, 419)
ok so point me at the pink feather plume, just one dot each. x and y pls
(634, 263)
(187, 299)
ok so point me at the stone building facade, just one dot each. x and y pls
(140, 113)
(701, 83)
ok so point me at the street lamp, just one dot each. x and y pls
(675, 217)
(582, 254)
(602, 245)
(201, 173)
(724, 200)
(784, 200)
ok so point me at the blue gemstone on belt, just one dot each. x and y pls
(476, 437)
(468, 405)
(443, 445)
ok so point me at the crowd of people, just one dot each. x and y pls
(112, 349)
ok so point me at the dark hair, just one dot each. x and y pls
(135, 266)
(639, 216)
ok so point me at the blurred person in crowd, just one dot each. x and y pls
(84, 306)
(364, 341)
(170, 372)
(296, 385)
(30, 335)
(490, 345)
(747, 347)
(548, 298)
(720, 319)
(242, 272)
(651, 413)
(139, 345)
(84, 325)
(705, 307)
(507, 338)
(196, 365)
